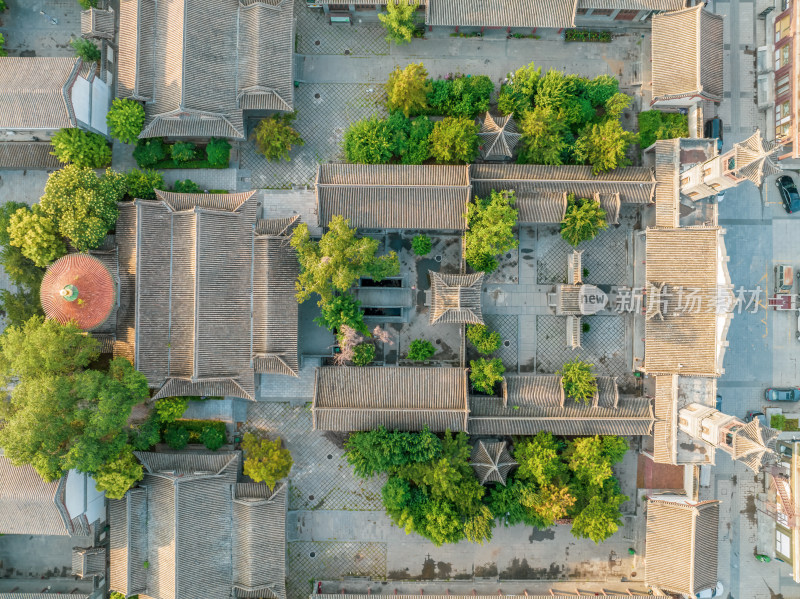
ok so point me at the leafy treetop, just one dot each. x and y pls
(125, 120)
(583, 220)
(579, 382)
(399, 21)
(264, 460)
(274, 136)
(407, 90)
(491, 229)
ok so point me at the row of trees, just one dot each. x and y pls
(432, 490)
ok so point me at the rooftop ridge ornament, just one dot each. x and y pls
(69, 293)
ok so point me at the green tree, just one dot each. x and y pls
(368, 142)
(549, 503)
(182, 151)
(485, 374)
(143, 184)
(3, 51)
(399, 21)
(655, 125)
(37, 236)
(539, 459)
(363, 354)
(439, 522)
(218, 152)
(454, 140)
(421, 245)
(461, 96)
(552, 91)
(376, 451)
(125, 120)
(213, 438)
(490, 229)
(420, 349)
(409, 139)
(176, 436)
(169, 409)
(600, 519)
(583, 220)
(119, 475)
(81, 148)
(186, 186)
(23, 303)
(265, 461)
(603, 145)
(147, 434)
(600, 89)
(478, 525)
(20, 305)
(274, 136)
(407, 89)
(149, 152)
(338, 260)
(483, 338)
(86, 50)
(544, 137)
(342, 310)
(591, 458)
(578, 380)
(616, 104)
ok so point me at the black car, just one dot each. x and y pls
(713, 129)
(789, 195)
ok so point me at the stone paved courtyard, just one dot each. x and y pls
(315, 35)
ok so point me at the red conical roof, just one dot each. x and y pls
(84, 276)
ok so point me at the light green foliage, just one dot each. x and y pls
(186, 186)
(549, 503)
(176, 436)
(655, 125)
(363, 354)
(82, 148)
(119, 475)
(462, 96)
(409, 138)
(591, 458)
(485, 374)
(125, 120)
(616, 104)
(491, 229)
(142, 184)
(265, 461)
(182, 151)
(407, 90)
(583, 220)
(454, 140)
(169, 409)
(544, 137)
(420, 349)
(274, 136)
(338, 260)
(83, 205)
(539, 459)
(218, 151)
(777, 421)
(421, 245)
(375, 451)
(368, 142)
(86, 50)
(483, 338)
(399, 21)
(518, 96)
(603, 145)
(600, 519)
(600, 89)
(87, 4)
(37, 236)
(342, 310)
(212, 438)
(578, 380)
(478, 524)
(3, 51)
(149, 152)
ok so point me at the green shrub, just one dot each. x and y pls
(143, 184)
(485, 374)
(150, 152)
(491, 229)
(86, 50)
(777, 421)
(218, 152)
(147, 434)
(368, 142)
(409, 138)
(462, 96)
(125, 120)
(3, 5)
(407, 90)
(421, 244)
(420, 349)
(87, 4)
(3, 51)
(195, 428)
(655, 125)
(169, 409)
(342, 310)
(36, 234)
(182, 151)
(274, 136)
(485, 340)
(177, 437)
(579, 382)
(212, 438)
(186, 186)
(363, 354)
(454, 140)
(82, 148)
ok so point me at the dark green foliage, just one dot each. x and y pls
(603, 145)
(212, 438)
(195, 428)
(372, 452)
(182, 151)
(600, 89)
(363, 354)
(82, 148)
(486, 374)
(186, 186)
(454, 140)
(150, 152)
(21, 305)
(420, 349)
(147, 434)
(341, 310)
(491, 229)
(86, 50)
(578, 380)
(177, 437)
(484, 339)
(142, 184)
(580, 35)
(462, 96)
(409, 138)
(368, 142)
(421, 245)
(218, 152)
(655, 125)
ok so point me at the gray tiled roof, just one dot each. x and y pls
(28, 155)
(28, 504)
(633, 184)
(499, 136)
(393, 196)
(634, 4)
(456, 298)
(408, 398)
(542, 207)
(88, 561)
(98, 24)
(501, 13)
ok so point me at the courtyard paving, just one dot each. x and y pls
(40, 27)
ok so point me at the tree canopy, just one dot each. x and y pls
(491, 229)
(264, 460)
(544, 137)
(578, 380)
(583, 220)
(398, 20)
(603, 145)
(125, 120)
(454, 140)
(407, 89)
(274, 136)
(82, 148)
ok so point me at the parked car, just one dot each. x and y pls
(752, 414)
(782, 394)
(789, 196)
(713, 129)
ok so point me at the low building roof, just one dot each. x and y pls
(681, 545)
(28, 504)
(456, 298)
(28, 155)
(668, 188)
(665, 429)
(407, 398)
(499, 136)
(501, 13)
(541, 207)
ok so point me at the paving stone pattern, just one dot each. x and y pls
(506, 325)
(605, 256)
(325, 110)
(308, 561)
(320, 477)
(316, 35)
